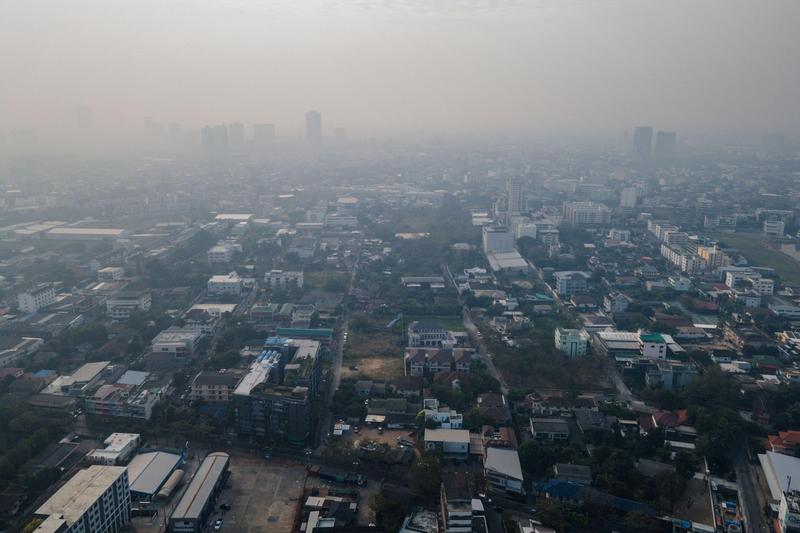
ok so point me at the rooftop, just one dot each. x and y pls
(148, 471)
(78, 494)
(447, 435)
(199, 490)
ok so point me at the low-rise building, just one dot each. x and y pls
(670, 375)
(133, 395)
(13, 348)
(549, 428)
(429, 334)
(283, 279)
(225, 285)
(428, 361)
(180, 341)
(110, 274)
(503, 470)
(123, 304)
(215, 386)
(451, 442)
(120, 447)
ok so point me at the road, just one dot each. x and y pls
(336, 368)
(477, 340)
(623, 392)
(475, 335)
(750, 493)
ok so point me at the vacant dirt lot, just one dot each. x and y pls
(374, 367)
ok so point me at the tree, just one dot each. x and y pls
(425, 475)
(686, 464)
(389, 513)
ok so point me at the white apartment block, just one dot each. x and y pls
(573, 342)
(225, 285)
(497, 239)
(283, 279)
(122, 305)
(110, 274)
(32, 300)
(95, 500)
(219, 254)
(682, 258)
(774, 228)
(586, 213)
(570, 282)
(622, 235)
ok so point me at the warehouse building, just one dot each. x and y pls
(198, 500)
(148, 472)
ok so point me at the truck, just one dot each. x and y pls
(346, 478)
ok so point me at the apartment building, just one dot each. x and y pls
(215, 386)
(274, 399)
(283, 279)
(571, 282)
(123, 304)
(573, 342)
(35, 298)
(225, 285)
(96, 499)
(586, 213)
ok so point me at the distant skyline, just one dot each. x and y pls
(450, 67)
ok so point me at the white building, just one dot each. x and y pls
(628, 197)
(180, 341)
(110, 274)
(570, 282)
(225, 285)
(119, 448)
(220, 254)
(653, 345)
(445, 417)
(451, 442)
(573, 342)
(283, 279)
(503, 470)
(679, 283)
(774, 228)
(32, 300)
(622, 235)
(586, 213)
(123, 304)
(497, 239)
(94, 500)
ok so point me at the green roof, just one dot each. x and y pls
(652, 337)
(324, 333)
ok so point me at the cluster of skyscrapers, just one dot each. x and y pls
(643, 148)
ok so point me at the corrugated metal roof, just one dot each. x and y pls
(148, 471)
(198, 492)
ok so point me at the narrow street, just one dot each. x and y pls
(336, 367)
(750, 493)
(477, 340)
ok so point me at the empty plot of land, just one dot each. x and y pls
(373, 367)
(760, 253)
(264, 495)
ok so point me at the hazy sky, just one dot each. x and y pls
(539, 66)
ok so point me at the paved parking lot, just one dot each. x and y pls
(263, 494)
